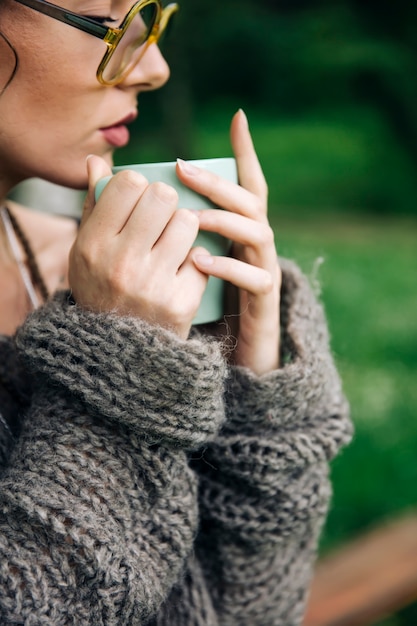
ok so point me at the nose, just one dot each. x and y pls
(151, 72)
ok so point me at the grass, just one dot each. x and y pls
(368, 280)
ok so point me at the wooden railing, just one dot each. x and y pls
(368, 579)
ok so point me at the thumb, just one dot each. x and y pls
(96, 168)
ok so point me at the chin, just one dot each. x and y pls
(79, 183)
(76, 178)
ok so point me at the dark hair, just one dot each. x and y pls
(13, 72)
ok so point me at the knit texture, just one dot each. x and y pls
(146, 482)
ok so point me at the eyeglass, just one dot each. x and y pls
(126, 44)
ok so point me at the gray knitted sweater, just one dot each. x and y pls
(145, 482)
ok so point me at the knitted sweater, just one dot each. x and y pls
(143, 481)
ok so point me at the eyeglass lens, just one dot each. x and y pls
(132, 44)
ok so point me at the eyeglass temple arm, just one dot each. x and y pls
(68, 17)
(167, 13)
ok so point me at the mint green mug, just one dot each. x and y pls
(212, 304)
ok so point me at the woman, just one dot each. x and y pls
(149, 474)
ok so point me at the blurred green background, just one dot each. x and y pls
(330, 89)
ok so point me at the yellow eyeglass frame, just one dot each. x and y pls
(110, 35)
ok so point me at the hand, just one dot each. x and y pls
(132, 255)
(254, 268)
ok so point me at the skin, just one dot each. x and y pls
(133, 252)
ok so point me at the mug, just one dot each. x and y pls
(212, 304)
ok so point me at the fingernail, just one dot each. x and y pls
(243, 117)
(187, 168)
(205, 260)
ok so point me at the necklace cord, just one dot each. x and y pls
(34, 279)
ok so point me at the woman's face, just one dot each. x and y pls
(54, 112)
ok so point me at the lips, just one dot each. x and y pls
(117, 134)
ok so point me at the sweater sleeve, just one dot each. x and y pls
(98, 507)
(264, 488)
